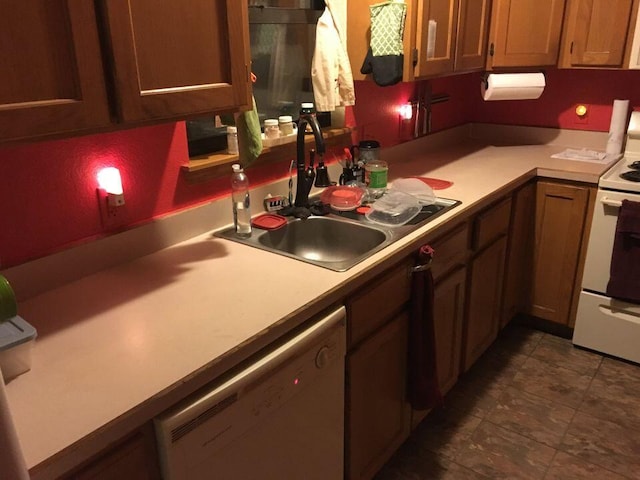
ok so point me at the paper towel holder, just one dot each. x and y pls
(485, 75)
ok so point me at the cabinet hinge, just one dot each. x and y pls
(491, 49)
(414, 57)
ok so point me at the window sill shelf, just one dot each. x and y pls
(206, 167)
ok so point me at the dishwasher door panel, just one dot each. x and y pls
(282, 417)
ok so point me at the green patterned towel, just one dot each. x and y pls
(387, 28)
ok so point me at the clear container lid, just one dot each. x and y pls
(271, 122)
(285, 119)
(15, 331)
(394, 208)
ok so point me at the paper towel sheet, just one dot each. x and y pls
(585, 155)
(512, 86)
(12, 464)
(618, 126)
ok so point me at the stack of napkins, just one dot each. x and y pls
(585, 155)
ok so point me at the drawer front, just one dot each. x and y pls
(450, 251)
(491, 224)
(378, 302)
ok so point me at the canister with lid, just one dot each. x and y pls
(271, 129)
(285, 124)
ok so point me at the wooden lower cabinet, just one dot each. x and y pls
(562, 215)
(378, 415)
(518, 268)
(134, 458)
(484, 300)
(448, 314)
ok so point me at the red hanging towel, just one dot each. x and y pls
(424, 391)
(624, 282)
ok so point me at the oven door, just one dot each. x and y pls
(605, 324)
(597, 265)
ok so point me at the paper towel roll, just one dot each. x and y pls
(617, 127)
(512, 86)
(12, 464)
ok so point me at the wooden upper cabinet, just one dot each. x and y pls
(471, 38)
(171, 59)
(525, 33)
(52, 76)
(595, 33)
(436, 36)
(359, 36)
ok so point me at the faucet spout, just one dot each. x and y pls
(305, 180)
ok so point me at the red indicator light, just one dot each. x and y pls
(296, 381)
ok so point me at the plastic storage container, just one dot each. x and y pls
(241, 202)
(16, 342)
(285, 124)
(271, 128)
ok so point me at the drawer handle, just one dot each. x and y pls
(610, 203)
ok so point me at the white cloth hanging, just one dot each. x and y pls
(330, 67)
(12, 464)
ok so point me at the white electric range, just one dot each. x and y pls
(603, 323)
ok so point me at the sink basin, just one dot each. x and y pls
(337, 241)
(324, 239)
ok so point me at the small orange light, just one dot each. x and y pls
(581, 110)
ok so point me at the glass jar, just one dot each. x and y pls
(232, 140)
(271, 129)
(285, 124)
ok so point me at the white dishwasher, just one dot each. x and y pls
(280, 418)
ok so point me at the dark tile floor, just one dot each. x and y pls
(532, 407)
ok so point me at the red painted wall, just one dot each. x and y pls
(48, 189)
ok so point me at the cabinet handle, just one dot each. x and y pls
(610, 203)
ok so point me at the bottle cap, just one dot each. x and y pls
(236, 168)
(285, 119)
(232, 129)
(271, 122)
(307, 105)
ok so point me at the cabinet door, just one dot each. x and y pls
(484, 300)
(133, 459)
(561, 212)
(359, 36)
(378, 415)
(436, 35)
(448, 314)
(51, 64)
(471, 38)
(519, 266)
(596, 33)
(172, 59)
(525, 33)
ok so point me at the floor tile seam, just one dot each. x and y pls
(553, 459)
(582, 460)
(568, 366)
(521, 434)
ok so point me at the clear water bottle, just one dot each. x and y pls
(241, 202)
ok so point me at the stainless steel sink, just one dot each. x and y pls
(337, 241)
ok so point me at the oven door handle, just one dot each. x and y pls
(611, 203)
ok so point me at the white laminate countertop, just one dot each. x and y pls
(121, 345)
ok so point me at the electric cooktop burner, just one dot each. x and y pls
(632, 175)
(635, 165)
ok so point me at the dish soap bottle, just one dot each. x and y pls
(241, 202)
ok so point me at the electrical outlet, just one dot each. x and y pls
(112, 217)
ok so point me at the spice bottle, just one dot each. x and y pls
(232, 140)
